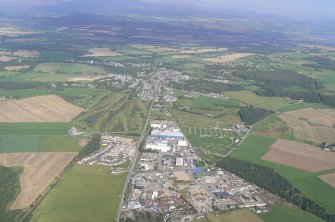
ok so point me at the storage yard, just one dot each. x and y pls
(113, 152)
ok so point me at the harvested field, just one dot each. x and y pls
(86, 78)
(16, 68)
(6, 58)
(299, 155)
(196, 50)
(182, 176)
(100, 52)
(49, 108)
(323, 117)
(180, 56)
(40, 169)
(26, 53)
(329, 178)
(229, 58)
(303, 130)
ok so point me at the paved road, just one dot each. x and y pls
(132, 167)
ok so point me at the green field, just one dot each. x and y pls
(34, 128)
(206, 112)
(254, 147)
(23, 93)
(58, 144)
(69, 68)
(131, 118)
(250, 98)
(39, 77)
(85, 194)
(36, 143)
(280, 213)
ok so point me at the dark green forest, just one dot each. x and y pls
(252, 115)
(9, 189)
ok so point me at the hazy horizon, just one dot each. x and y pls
(302, 9)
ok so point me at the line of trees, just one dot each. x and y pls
(91, 147)
(268, 179)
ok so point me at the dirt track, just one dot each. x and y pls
(299, 155)
(40, 169)
(49, 108)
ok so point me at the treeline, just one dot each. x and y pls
(91, 147)
(143, 217)
(252, 115)
(308, 96)
(9, 186)
(206, 86)
(279, 78)
(324, 63)
(268, 179)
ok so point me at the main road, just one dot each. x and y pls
(132, 166)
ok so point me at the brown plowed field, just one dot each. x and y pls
(329, 178)
(49, 108)
(324, 117)
(40, 169)
(303, 130)
(299, 155)
(228, 58)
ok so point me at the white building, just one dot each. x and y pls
(179, 161)
(182, 143)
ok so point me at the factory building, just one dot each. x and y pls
(158, 145)
(167, 134)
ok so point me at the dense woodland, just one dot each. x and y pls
(206, 86)
(268, 179)
(9, 187)
(252, 115)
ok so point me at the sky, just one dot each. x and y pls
(292, 8)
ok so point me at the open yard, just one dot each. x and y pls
(85, 194)
(49, 108)
(40, 169)
(299, 155)
(329, 178)
(235, 216)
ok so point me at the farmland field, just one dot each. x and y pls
(40, 169)
(329, 178)
(69, 68)
(35, 128)
(254, 147)
(304, 130)
(295, 154)
(250, 98)
(234, 216)
(38, 109)
(228, 58)
(323, 117)
(281, 213)
(85, 194)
